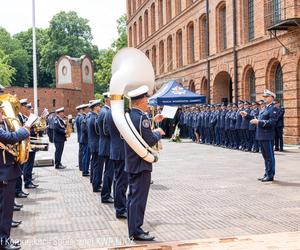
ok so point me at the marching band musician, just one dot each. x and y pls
(22, 118)
(59, 137)
(9, 173)
(139, 170)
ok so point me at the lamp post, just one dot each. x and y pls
(35, 96)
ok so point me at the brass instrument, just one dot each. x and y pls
(11, 108)
(69, 129)
(158, 146)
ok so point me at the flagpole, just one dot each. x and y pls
(35, 95)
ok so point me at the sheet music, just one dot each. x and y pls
(31, 119)
(169, 111)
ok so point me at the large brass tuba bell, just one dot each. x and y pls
(11, 108)
(130, 69)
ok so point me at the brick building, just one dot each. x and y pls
(74, 86)
(224, 49)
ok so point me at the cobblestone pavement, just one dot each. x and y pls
(199, 192)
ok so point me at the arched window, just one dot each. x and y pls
(130, 37)
(140, 29)
(160, 13)
(147, 54)
(129, 8)
(153, 25)
(161, 58)
(189, 3)
(134, 35)
(203, 37)
(221, 27)
(170, 53)
(279, 84)
(177, 7)
(146, 24)
(192, 86)
(190, 43)
(169, 10)
(154, 58)
(252, 86)
(53, 103)
(179, 54)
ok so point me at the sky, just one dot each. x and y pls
(16, 15)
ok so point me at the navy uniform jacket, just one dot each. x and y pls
(227, 119)
(77, 124)
(265, 129)
(8, 171)
(280, 121)
(93, 132)
(212, 119)
(239, 119)
(117, 146)
(222, 118)
(253, 113)
(83, 129)
(134, 164)
(245, 122)
(232, 118)
(59, 130)
(206, 119)
(22, 119)
(104, 142)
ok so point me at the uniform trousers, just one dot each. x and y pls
(267, 150)
(7, 196)
(19, 181)
(85, 159)
(80, 155)
(107, 164)
(28, 167)
(279, 138)
(120, 186)
(59, 148)
(139, 185)
(96, 171)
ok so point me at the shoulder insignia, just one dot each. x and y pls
(146, 123)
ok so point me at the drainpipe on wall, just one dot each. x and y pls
(235, 69)
(207, 46)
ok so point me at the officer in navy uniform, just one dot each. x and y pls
(233, 133)
(117, 156)
(28, 166)
(22, 118)
(50, 126)
(252, 128)
(9, 172)
(78, 129)
(104, 153)
(59, 137)
(93, 142)
(265, 133)
(83, 140)
(245, 127)
(228, 138)
(138, 169)
(279, 128)
(240, 137)
(222, 124)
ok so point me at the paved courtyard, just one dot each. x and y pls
(200, 192)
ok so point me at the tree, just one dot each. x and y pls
(18, 57)
(104, 61)
(6, 71)
(70, 35)
(25, 39)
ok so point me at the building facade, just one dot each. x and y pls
(224, 49)
(74, 86)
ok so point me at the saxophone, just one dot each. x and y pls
(11, 107)
(69, 129)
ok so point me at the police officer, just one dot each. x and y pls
(139, 170)
(233, 133)
(50, 126)
(59, 137)
(279, 128)
(117, 156)
(104, 152)
(93, 142)
(245, 127)
(228, 137)
(222, 124)
(265, 132)
(28, 166)
(240, 137)
(78, 129)
(83, 140)
(22, 118)
(252, 128)
(9, 172)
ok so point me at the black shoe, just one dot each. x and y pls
(109, 200)
(31, 186)
(122, 216)
(17, 209)
(267, 179)
(18, 205)
(143, 237)
(97, 190)
(9, 246)
(60, 167)
(261, 178)
(85, 174)
(15, 223)
(21, 195)
(151, 182)
(276, 149)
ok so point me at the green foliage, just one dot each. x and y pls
(6, 71)
(121, 41)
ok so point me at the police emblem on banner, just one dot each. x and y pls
(178, 90)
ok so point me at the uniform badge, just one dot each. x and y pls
(146, 123)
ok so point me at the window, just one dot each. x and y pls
(169, 10)
(276, 11)
(146, 24)
(177, 7)
(130, 37)
(147, 54)
(161, 58)
(160, 13)
(192, 86)
(53, 103)
(140, 29)
(170, 53)
(203, 37)
(153, 25)
(252, 87)
(250, 18)
(134, 35)
(154, 58)
(38, 103)
(179, 49)
(190, 43)
(68, 103)
(279, 84)
(221, 26)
